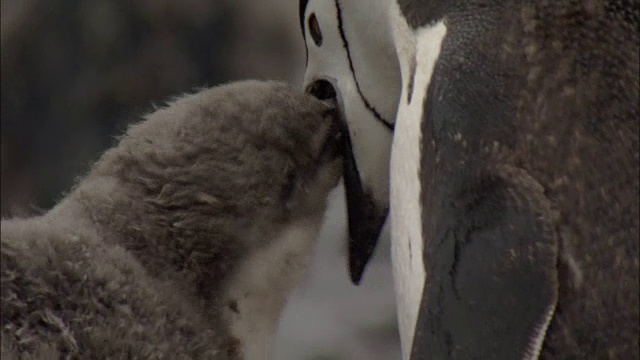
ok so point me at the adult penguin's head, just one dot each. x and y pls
(351, 56)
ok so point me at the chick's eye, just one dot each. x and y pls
(314, 29)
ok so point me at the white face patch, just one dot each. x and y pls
(418, 52)
(259, 288)
(357, 54)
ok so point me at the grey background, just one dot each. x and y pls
(76, 72)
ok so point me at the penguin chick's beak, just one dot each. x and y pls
(365, 219)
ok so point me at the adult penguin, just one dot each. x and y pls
(503, 136)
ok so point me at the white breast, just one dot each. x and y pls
(417, 52)
(259, 289)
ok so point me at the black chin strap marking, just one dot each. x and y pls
(345, 43)
(302, 7)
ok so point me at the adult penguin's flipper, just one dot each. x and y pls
(490, 260)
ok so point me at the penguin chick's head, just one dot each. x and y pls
(242, 148)
(221, 168)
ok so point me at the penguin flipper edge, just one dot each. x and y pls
(491, 285)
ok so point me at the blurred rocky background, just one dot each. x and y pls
(76, 72)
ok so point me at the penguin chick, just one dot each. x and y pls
(183, 240)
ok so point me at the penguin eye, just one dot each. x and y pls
(314, 29)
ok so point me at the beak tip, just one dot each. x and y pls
(360, 252)
(355, 280)
(355, 272)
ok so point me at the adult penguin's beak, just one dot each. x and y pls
(366, 209)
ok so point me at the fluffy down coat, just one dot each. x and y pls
(136, 261)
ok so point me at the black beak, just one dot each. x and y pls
(364, 217)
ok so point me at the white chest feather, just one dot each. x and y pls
(418, 52)
(259, 289)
